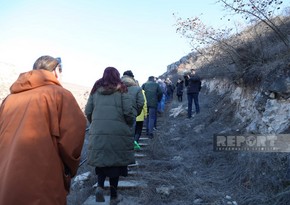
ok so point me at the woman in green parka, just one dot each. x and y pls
(109, 110)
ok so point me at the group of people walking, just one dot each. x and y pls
(189, 82)
(42, 131)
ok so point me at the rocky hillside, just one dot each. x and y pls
(255, 77)
(242, 94)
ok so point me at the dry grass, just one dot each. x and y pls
(182, 156)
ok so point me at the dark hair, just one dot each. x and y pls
(110, 80)
(46, 63)
(128, 73)
(151, 78)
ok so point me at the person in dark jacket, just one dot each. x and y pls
(193, 88)
(153, 94)
(169, 90)
(179, 89)
(111, 145)
(161, 104)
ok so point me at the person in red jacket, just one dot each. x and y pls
(42, 131)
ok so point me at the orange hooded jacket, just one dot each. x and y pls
(42, 128)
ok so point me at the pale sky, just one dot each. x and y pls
(90, 35)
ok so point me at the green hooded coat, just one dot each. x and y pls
(110, 136)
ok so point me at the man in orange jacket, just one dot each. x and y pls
(42, 131)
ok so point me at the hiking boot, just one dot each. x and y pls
(100, 194)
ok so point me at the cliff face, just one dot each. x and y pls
(259, 111)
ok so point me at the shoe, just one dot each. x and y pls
(136, 146)
(115, 200)
(154, 128)
(100, 194)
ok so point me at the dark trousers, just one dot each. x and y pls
(179, 98)
(138, 130)
(193, 96)
(151, 120)
(113, 184)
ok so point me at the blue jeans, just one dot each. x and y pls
(150, 120)
(193, 96)
(161, 104)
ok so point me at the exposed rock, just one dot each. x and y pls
(164, 190)
(198, 201)
(281, 87)
(262, 114)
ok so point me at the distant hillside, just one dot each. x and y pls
(9, 73)
(81, 93)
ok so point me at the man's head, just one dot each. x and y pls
(151, 78)
(129, 73)
(192, 71)
(48, 63)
